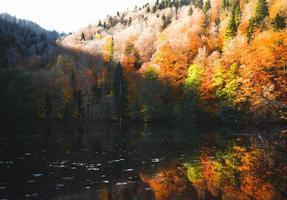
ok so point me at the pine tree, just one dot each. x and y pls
(130, 21)
(154, 9)
(206, 6)
(261, 11)
(231, 28)
(100, 23)
(148, 9)
(119, 92)
(166, 21)
(190, 11)
(278, 22)
(234, 20)
(83, 36)
(224, 4)
(250, 29)
(198, 3)
(236, 12)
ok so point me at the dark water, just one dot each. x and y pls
(88, 161)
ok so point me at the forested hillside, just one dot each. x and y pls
(184, 60)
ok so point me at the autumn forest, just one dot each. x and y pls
(173, 60)
(167, 100)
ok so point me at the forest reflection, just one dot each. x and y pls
(163, 162)
(240, 171)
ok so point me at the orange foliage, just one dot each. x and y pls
(167, 184)
(172, 63)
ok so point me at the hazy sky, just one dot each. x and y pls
(66, 15)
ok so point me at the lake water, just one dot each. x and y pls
(90, 161)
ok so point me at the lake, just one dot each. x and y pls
(53, 160)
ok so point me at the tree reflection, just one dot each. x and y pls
(247, 168)
(238, 173)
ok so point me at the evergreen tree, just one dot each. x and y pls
(111, 21)
(105, 25)
(83, 36)
(190, 11)
(231, 28)
(261, 11)
(130, 21)
(100, 23)
(198, 3)
(154, 9)
(250, 29)
(148, 9)
(224, 4)
(119, 92)
(206, 6)
(278, 22)
(234, 20)
(166, 21)
(236, 12)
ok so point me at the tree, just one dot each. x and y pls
(190, 108)
(154, 9)
(130, 21)
(150, 96)
(108, 50)
(234, 20)
(100, 23)
(119, 92)
(165, 21)
(250, 29)
(224, 4)
(148, 9)
(206, 6)
(198, 3)
(261, 11)
(278, 22)
(83, 36)
(194, 78)
(190, 11)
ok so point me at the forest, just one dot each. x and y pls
(178, 60)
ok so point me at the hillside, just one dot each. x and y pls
(181, 60)
(21, 39)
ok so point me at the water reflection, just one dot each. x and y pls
(88, 161)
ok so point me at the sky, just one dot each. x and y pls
(66, 15)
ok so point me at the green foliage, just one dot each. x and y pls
(198, 3)
(250, 29)
(108, 50)
(224, 4)
(190, 109)
(190, 11)
(234, 20)
(226, 85)
(206, 6)
(194, 78)
(151, 74)
(278, 22)
(150, 95)
(261, 11)
(226, 82)
(194, 172)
